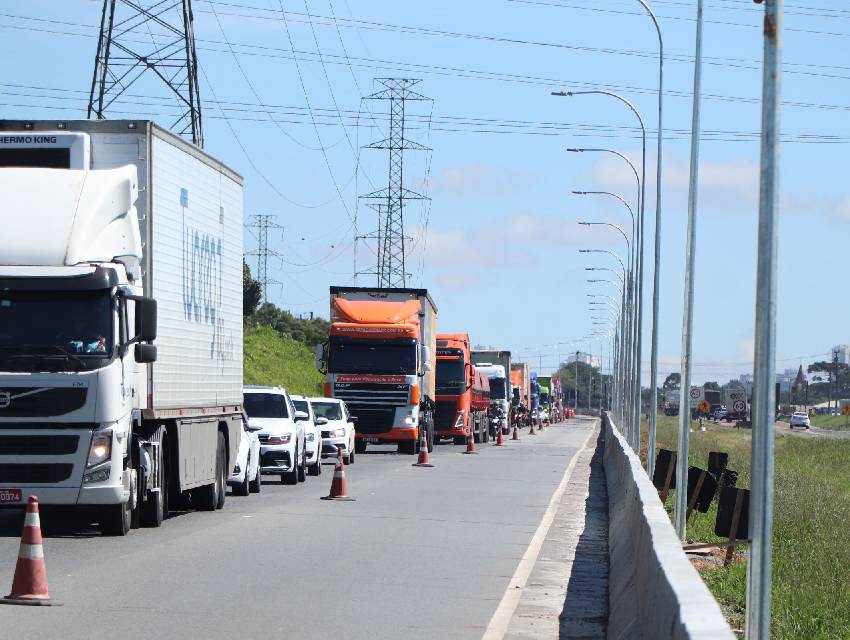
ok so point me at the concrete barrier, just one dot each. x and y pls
(654, 591)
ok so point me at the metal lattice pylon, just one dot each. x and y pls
(389, 202)
(262, 223)
(143, 39)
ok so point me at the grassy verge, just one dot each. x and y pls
(837, 423)
(273, 360)
(811, 592)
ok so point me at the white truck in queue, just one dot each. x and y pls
(116, 235)
(496, 365)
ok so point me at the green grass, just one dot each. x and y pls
(811, 557)
(273, 360)
(837, 423)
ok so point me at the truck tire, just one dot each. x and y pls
(114, 519)
(155, 509)
(257, 483)
(360, 446)
(208, 497)
(459, 440)
(407, 447)
(221, 471)
(291, 476)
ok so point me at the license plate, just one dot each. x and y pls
(10, 496)
(372, 440)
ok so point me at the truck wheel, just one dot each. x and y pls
(208, 497)
(155, 509)
(459, 440)
(221, 472)
(407, 447)
(115, 519)
(256, 484)
(360, 446)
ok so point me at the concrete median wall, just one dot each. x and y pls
(654, 591)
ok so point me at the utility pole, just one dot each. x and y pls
(166, 59)
(390, 202)
(262, 223)
(576, 381)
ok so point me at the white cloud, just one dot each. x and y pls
(478, 178)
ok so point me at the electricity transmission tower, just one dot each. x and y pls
(262, 223)
(389, 202)
(145, 43)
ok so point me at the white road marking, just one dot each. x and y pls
(498, 625)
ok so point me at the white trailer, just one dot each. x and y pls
(496, 365)
(116, 234)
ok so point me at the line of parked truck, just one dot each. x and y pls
(118, 234)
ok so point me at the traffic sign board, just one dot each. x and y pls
(739, 406)
(695, 393)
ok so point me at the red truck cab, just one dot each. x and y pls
(462, 393)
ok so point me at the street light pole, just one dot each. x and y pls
(759, 566)
(653, 365)
(681, 506)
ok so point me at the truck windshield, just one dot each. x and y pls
(450, 376)
(55, 331)
(265, 405)
(544, 397)
(497, 389)
(372, 356)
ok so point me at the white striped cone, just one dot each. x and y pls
(423, 460)
(339, 485)
(29, 586)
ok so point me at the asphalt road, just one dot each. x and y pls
(421, 553)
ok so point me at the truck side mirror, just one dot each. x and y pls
(320, 356)
(144, 353)
(426, 353)
(145, 319)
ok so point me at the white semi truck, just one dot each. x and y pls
(496, 365)
(117, 235)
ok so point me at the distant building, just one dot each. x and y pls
(843, 352)
(585, 358)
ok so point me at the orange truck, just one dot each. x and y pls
(463, 393)
(521, 384)
(380, 359)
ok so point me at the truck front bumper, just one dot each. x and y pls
(393, 436)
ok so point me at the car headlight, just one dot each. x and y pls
(310, 437)
(338, 433)
(101, 447)
(282, 439)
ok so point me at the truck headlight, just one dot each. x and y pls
(409, 420)
(101, 447)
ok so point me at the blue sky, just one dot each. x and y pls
(499, 252)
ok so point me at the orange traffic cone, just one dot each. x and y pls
(499, 441)
(29, 586)
(423, 453)
(470, 444)
(339, 486)
(515, 436)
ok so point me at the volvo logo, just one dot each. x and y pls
(5, 399)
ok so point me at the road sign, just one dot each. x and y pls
(739, 406)
(695, 393)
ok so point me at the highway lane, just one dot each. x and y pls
(421, 553)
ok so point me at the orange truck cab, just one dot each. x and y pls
(380, 359)
(463, 393)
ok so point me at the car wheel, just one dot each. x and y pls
(302, 468)
(315, 469)
(291, 477)
(256, 484)
(243, 488)
(349, 459)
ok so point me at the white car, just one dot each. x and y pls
(282, 446)
(338, 428)
(800, 419)
(312, 435)
(246, 472)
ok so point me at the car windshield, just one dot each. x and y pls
(450, 375)
(55, 331)
(329, 410)
(497, 389)
(265, 405)
(368, 356)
